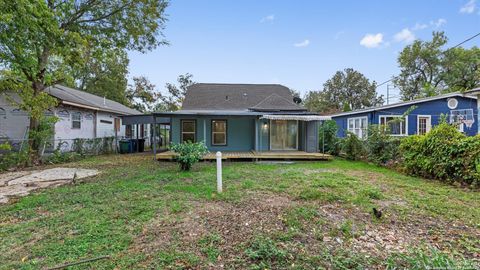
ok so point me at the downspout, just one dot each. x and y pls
(478, 114)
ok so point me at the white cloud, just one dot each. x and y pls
(339, 34)
(438, 23)
(469, 7)
(304, 43)
(420, 26)
(404, 36)
(270, 18)
(372, 40)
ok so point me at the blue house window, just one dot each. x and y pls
(358, 126)
(424, 124)
(188, 130)
(397, 124)
(219, 132)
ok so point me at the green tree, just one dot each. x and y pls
(104, 74)
(427, 70)
(346, 89)
(142, 94)
(461, 69)
(51, 39)
(176, 93)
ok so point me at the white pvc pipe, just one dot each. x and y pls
(219, 172)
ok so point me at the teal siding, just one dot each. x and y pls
(264, 135)
(240, 132)
(301, 135)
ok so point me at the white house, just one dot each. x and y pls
(81, 115)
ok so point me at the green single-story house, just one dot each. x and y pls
(240, 117)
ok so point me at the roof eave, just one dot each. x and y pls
(406, 103)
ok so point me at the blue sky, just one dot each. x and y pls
(299, 44)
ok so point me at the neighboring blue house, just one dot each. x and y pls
(459, 108)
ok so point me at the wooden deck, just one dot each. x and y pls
(256, 155)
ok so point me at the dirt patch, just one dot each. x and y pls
(235, 224)
(333, 226)
(19, 184)
(389, 234)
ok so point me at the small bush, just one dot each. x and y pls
(445, 154)
(12, 159)
(328, 140)
(427, 259)
(265, 253)
(63, 157)
(353, 147)
(189, 153)
(381, 147)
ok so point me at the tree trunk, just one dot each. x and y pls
(38, 87)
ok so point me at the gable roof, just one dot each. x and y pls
(74, 97)
(405, 103)
(239, 97)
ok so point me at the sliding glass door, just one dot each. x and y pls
(283, 135)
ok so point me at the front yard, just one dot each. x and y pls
(306, 215)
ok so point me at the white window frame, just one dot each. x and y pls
(283, 149)
(219, 132)
(395, 115)
(79, 120)
(461, 125)
(363, 131)
(429, 123)
(194, 132)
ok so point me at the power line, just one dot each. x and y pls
(458, 45)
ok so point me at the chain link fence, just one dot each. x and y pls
(95, 146)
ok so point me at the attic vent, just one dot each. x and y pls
(226, 97)
(245, 95)
(452, 103)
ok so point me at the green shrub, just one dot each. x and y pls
(44, 133)
(328, 140)
(430, 258)
(14, 159)
(353, 147)
(93, 146)
(444, 153)
(381, 147)
(63, 157)
(189, 153)
(265, 253)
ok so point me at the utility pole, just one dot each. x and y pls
(388, 94)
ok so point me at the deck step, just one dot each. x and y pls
(255, 155)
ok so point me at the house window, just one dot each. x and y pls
(358, 126)
(424, 124)
(117, 124)
(128, 131)
(397, 124)
(76, 120)
(219, 132)
(462, 118)
(188, 130)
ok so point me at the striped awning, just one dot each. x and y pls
(296, 117)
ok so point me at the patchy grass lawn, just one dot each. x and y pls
(145, 214)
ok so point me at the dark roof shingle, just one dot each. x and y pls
(83, 98)
(259, 97)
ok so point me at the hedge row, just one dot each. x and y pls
(444, 153)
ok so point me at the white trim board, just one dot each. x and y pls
(429, 124)
(395, 115)
(400, 104)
